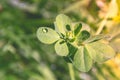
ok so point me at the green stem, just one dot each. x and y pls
(71, 71)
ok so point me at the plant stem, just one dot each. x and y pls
(101, 26)
(114, 35)
(104, 21)
(71, 71)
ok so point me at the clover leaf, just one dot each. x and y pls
(100, 52)
(61, 36)
(61, 22)
(76, 44)
(61, 48)
(95, 38)
(82, 36)
(82, 60)
(47, 35)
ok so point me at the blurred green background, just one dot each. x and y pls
(24, 57)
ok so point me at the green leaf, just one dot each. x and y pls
(68, 28)
(61, 48)
(95, 38)
(82, 24)
(82, 60)
(100, 52)
(77, 28)
(85, 27)
(72, 50)
(61, 22)
(82, 36)
(47, 35)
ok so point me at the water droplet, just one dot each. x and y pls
(45, 30)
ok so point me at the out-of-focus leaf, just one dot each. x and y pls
(61, 48)
(36, 77)
(47, 35)
(82, 60)
(100, 52)
(116, 45)
(11, 77)
(46, 72)
(93, 8)
(2, 74)
(61, 22)
(95, 38)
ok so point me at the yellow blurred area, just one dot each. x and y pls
(114, 65)
(117, 18)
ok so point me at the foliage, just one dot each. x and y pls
(89, 49)
(23, 57)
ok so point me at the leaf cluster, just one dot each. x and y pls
(86, 49)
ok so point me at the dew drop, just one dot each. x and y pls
(45, 30)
